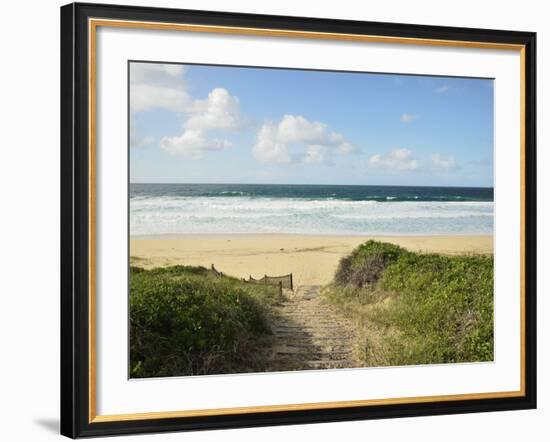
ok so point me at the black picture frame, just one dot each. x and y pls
(75, 220)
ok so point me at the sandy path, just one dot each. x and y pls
(309, 334)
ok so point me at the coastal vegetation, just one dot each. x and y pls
(189, 321)
(398, 308)
(415, 308)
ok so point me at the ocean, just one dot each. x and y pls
(157, 209)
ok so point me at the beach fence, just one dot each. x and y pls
(283, 282)
(215, 272)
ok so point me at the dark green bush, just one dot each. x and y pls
(185, 321)
(366, 263)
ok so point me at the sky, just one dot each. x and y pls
(215, 124)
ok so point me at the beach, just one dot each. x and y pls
(253, 230)
(308, 239)
(311, 259)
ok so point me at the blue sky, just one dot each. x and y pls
(213, 124)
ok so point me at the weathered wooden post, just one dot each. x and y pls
(291, 282)
(280, 288)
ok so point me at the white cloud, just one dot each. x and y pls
(316, 154)
(397, 159)
(220, 110)
(144, 97)
(268, 149)
(442, 163)
(138, 140)
(154, 72)
(311, 142)
(162, 86)
(407, 118)
(159, 86)
(192, 143)
(442, 89)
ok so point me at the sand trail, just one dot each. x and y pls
(310, 334)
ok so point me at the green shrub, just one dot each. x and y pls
(366, 263)
(428, 308)
(448, 300)
(185, 321)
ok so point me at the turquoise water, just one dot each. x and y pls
(309, 209)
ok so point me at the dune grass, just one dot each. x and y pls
(415, 308)
(186, 321)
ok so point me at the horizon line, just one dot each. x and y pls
(316, 184)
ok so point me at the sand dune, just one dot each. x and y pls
(311, 259)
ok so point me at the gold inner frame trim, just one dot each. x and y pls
(93, 24)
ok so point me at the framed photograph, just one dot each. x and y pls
(274, 220)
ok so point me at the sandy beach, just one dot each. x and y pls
(311, 259)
